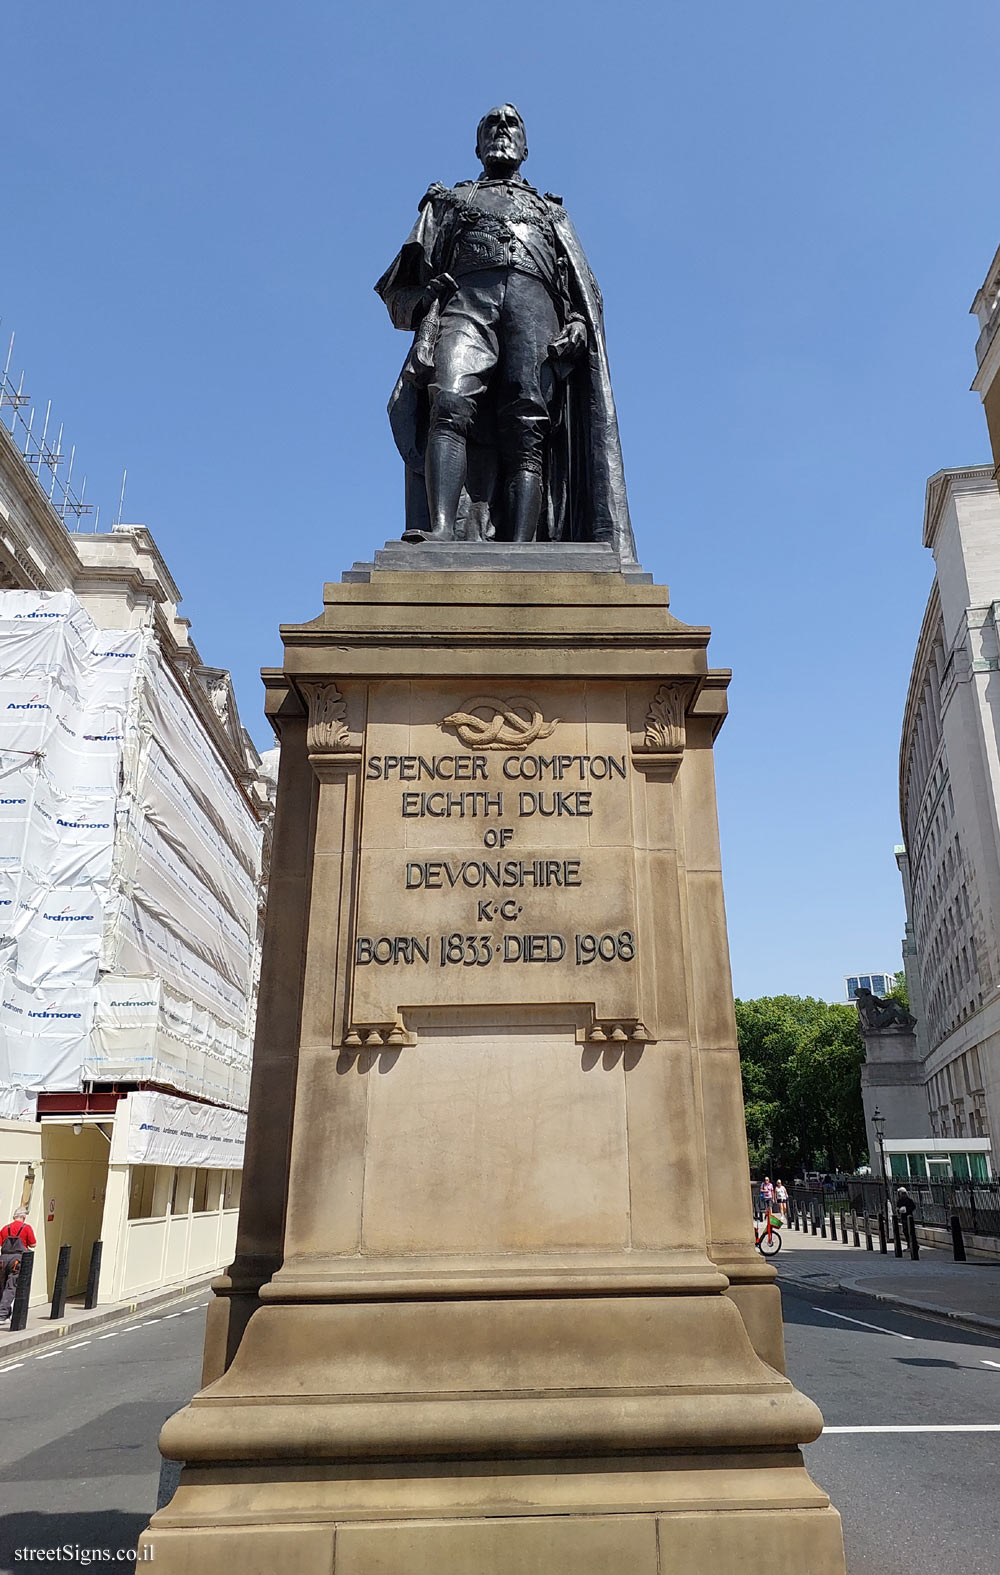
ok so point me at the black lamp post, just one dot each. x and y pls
(878, 1122)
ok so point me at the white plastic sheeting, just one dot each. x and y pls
(16, 1105)
(166, 1131)
(129, 866)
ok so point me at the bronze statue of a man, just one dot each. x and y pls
(503, 411)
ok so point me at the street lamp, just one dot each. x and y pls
(878, 1122)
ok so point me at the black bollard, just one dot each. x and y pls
(854, 1228)
(911, 1237)
(869, 1245)
(897, 1245)
(19, 1312)
(843, 1227)
(957, 1240)
(881, 1233)
(93, 1275)
(815, 1227)
(62, 1277)
(822, 1222)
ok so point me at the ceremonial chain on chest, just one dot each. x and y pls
(468, 217)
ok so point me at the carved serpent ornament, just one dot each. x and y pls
(513, 723)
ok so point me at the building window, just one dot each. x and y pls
(898, 1167)
(202, 1179)
(231, 1189)
(140, 1192)
(180, 1194)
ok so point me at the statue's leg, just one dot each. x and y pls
(524, 503)
(530, 324)
(444, 474)
(464, 357)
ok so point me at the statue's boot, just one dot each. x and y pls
(444, 474)
(524, 499)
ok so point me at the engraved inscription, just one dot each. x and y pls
(501, 873)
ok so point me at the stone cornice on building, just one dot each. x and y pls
(986, 308)
(989, 367)
(943, 485)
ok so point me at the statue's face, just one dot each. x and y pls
(501, 144)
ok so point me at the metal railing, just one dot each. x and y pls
(976, 1203)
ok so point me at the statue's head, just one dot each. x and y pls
(501, 143)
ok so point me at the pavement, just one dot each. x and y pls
(79, 1466)
(42, 1330)
(966, 1292)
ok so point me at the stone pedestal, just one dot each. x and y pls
(519, 1323)
(892, 1081)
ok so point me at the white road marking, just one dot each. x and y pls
(11, 1368)
(78, 1346)
(112, 1336)
(987, 1363)
(920, 1427)
(177, 1315)
(827, 1313)
(45, 1356)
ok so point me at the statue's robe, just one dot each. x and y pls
(585, 498)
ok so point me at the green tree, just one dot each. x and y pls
(899, 991)
(801, 1065)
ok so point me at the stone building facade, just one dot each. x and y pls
(129, 963)
(986, 308)
(950, 810)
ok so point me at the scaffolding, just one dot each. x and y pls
(41, 452)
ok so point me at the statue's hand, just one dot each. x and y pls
(571, 343)
(439, 288)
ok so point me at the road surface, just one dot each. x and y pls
(911, 1457)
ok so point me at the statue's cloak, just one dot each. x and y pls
(585, 498)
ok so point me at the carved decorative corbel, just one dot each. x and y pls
(665, 718)
(662, 748)
(327, 730)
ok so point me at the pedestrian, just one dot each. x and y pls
(906, 1205)
(781, 1197)
(766, 1196)
(16, 1239)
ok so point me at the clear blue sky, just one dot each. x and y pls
(789, 208)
